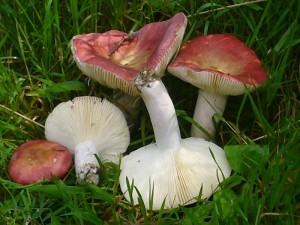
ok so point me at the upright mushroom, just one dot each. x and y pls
(36, 160)
(89, 126)
(173, 170)
(219, 65)
(115, 58)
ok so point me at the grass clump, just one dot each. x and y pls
(260, 131)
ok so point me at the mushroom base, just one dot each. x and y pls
(89, 173)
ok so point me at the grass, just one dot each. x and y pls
(259, 131)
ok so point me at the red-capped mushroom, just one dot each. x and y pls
(219, 65)
(115, 58)
(36, 160)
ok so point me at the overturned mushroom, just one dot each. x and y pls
(89, 126)
(219, 65)
(173, 170)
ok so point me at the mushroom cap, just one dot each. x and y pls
(115, 58)
(219, 63)
(36, 160)
(89, 119)
(175, 175)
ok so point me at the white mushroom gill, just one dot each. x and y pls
(174, 170)
(89, 126)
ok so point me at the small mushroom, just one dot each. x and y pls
(37, 160)
(219, 65)
(173, 170)
(89, 126)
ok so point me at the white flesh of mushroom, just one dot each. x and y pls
(89, 126)
(173, 170)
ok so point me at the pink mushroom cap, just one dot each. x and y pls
(115, 58)
(219, 63)
(36, 160)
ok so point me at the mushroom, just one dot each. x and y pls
(115, 58)
(219, 65)
(173, 169)
(89, 127)
(37, 160)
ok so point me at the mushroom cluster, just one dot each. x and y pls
(172, 171)
(87, 127)
(135, 65)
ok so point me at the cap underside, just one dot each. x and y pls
(93, 119)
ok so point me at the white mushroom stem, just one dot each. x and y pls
(86, 164)
(208, 105)
(162, 113)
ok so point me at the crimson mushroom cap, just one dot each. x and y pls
(36, 160)
(219, 63)
(115, 58)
